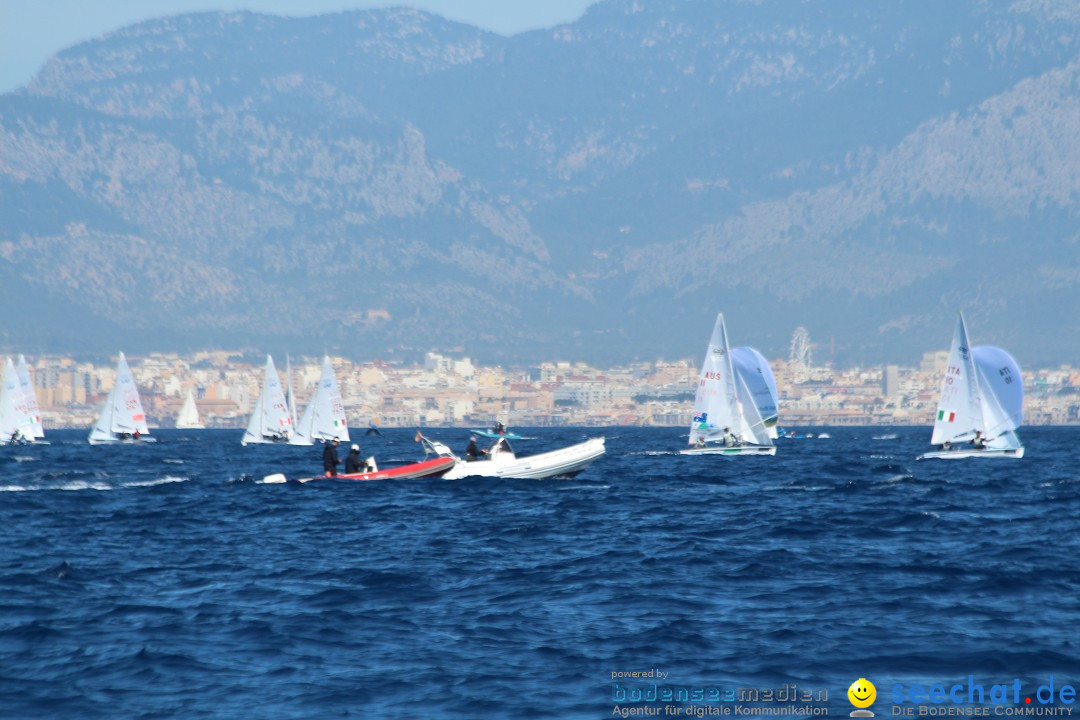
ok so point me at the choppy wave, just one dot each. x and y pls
(140, 591)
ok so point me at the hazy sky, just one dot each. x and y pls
(33, 30)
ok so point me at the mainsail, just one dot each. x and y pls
(30, 398)
(959, 412)
(15, 421)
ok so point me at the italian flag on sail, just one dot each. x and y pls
(946, 416)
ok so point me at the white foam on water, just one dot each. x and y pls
(160, 481)
(173, 461)
(24, 458)
(74, 485)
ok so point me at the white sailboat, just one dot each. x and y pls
(122, 418)
(735, 408)
(30, 398)
(981, 403)
(188, 417)
(270, 421)
(324, 417)
(16, 424)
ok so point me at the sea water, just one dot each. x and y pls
(167, 581)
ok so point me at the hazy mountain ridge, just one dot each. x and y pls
(597, 190)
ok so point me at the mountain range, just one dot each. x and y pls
(379, 183)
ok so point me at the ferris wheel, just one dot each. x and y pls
(800, 347)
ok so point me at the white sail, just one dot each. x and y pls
(715, 402)
(303, 436)
(122, 415)
(30, 397)
(959, 412)
(1001, 392)
(754, 370)
(16, 422)
(290, 399)
(324, 418)
(188, 418)
(753, 425)
(270, 421)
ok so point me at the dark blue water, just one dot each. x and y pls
(163, 581)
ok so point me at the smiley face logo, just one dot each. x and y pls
(862, 693)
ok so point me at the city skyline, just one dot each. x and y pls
(453, 392)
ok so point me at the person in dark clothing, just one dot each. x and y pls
(329, 458)
(353, 464)
(473, 452)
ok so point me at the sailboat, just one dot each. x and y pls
(16, 424)
(981, 402)
(270, 421)
(188, 418)
(30, 398)
(122, 418)
(736, 405)
(324, 418)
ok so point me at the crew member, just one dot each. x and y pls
(329, 458)
(473, 452)
(353, 464)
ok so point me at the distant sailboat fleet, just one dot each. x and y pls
(274, 418)
(736, 410)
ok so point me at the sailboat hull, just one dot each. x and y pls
(732, 451)
(122, 441)
(1015, 453)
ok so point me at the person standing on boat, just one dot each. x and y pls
(979, 442)
(473, 452)
(352, 461)
(329, 458)
(729, 439)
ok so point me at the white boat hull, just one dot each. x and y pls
(1015, 453)
(564, 462)
(122, 441)
(740, 450)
